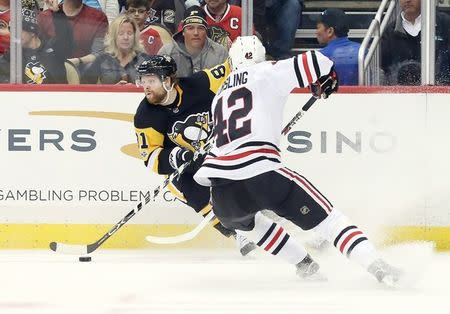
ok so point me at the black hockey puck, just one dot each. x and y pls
(84, 259)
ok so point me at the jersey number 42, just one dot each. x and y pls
(226, 128)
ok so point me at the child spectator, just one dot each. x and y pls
(150, 38)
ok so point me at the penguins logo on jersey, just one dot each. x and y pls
(193, 132)
(35, 72)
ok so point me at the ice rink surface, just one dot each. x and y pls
(216, 281)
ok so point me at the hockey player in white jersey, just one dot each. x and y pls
(244, 166)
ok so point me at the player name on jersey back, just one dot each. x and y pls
(247, 122)
(234, 80)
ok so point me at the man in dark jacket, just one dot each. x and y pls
(401, 50)
(43, 60)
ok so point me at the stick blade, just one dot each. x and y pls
(165, 240)
(185, 236)
(74, 249)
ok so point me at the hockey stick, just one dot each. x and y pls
(185, 236)
(194, 232)
(89, 248)
(299, 114)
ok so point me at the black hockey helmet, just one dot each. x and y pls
(162, 66)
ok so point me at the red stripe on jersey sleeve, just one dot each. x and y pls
(306, 67)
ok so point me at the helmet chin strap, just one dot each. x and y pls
(166, 99)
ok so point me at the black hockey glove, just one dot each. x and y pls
(179, 156)
(325, 85)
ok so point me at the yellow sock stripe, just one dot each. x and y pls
(205, 210)
(215, 221)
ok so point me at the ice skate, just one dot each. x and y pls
(308, 270)
(385, 273)
(244, 245)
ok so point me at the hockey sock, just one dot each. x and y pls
(347, 238)
(272, 238)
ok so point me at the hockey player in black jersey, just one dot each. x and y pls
(244, 167)
(172, 122)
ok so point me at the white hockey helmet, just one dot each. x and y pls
(246, 51)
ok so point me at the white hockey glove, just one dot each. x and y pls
(325, 85)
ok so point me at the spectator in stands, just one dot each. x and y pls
(332, 30)
(401, 50)
(5, 18)
(224, 21)
(192, 50)
(123, 52)
(277, 22)
(4, 26)
(89, 27)
(43, 60)
(150, 37)
(109, 7)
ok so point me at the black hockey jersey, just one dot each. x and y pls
(185, 123)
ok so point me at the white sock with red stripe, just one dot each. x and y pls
(347, 238)
(272, 238)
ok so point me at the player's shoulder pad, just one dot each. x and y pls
(148, 115)
(217, 75)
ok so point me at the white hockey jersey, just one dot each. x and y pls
(248, 116)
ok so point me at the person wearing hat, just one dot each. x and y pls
(332, 30)
(42, 60)
(191, 49)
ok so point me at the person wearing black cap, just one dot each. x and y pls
(332, 29)
(43, 60)
(192, 50)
